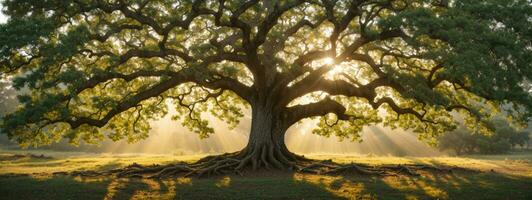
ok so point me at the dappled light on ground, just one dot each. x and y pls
(515, 164)
(428, 186)
(336, 185)
(141, 189)
(224, 182)
(276, 186)
(33, 177)
(113, 187)
(408, 184)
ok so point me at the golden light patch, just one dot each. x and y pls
(224, 182)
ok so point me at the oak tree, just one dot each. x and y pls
(105, 68)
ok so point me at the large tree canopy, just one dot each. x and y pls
(97, 68)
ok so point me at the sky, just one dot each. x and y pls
(3, 18)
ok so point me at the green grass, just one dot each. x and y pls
(511, 179)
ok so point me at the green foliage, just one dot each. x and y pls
(485, 46)
(34, 29)
(98, 69)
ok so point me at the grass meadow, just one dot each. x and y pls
(27, 175)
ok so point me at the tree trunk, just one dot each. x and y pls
(266, 146)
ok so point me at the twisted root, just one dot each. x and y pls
(260, 158)
(266, 157)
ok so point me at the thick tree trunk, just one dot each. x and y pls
(266, 147)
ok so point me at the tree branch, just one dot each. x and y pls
(320, 108)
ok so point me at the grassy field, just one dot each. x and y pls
(30, 177)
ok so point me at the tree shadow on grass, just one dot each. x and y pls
(430, 185)
(223, 187)
(57, 187)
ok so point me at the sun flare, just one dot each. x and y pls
(336, 69)
(328, 61)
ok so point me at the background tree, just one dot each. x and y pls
(520, 139)
(8, 103)
(460, 141)
(502, 140)
(8, 97)
(100, 68)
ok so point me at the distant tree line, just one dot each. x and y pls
(503, 139)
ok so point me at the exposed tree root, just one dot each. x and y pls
(236, 163)
(263, 158)
(357, 169)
